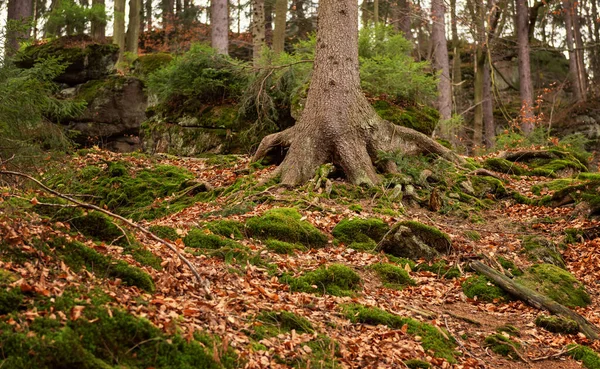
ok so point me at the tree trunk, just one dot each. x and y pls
(219, 26)
(258, 29)
(269, 22)
(479, 65)
(149, 15)
(338, 125)
(579, 50)
(405, 21)
(98, 29)
(119, 26)
(525, 84)
(577, 88)
(303, 24)
(489, 126)
(280, 26)
(440, 63)
(595, 62)
(133, 29)
(456, 63)
(375, 12)
(19, 12)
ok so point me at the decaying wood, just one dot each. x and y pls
(205, 284)
(536, 299)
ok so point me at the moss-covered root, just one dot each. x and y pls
(503, 345)
(557, 324)
(589, 357)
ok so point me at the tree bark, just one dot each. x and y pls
(375, 12)
(119, 26)
(574, 73)
(338, 124)
(404, 20)
(440, 63)
(489, 125)
(525, 85)
(19, 12)
(149, 15)
(456, 62)
(133, 29)
(98, 29)
(258, 29)
(280, 26)
(219, 26)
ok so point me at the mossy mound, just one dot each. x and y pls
(334, 279)
(281, 247)
(285, 224)
(432, 338)
(510, 266)
(165, 232)
(503, 345)
(548, 163)
(587, 193)
(485, 186)
(501, 165)
(415, 241)
(417, 364)
(273, 323)
(539, 249)
(350, 231)
(420, 118)
(97, 226)
(554, 185)
(149, 63)
(557, 324)
(226, 228)
(201, 239)
(589, 357)
(392, 276)
(556, 283)
(11, 298)
(483, 289)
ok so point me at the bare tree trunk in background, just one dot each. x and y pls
(533, 16)
(338, 124)
(440, 63)
(178, 7)
(375, 12)
(489, 126)
(577, 88)
(258, 29)
(219, 25)
(149, 15)
(595, 62)
(456, 63)
(167, 13)
(119, 26)
(303, 24)
(579, 49)
(269, 22)
(98, 26)
(133, 29)
(280, 26)
(18, 12)
(405, 21)
(525, 85)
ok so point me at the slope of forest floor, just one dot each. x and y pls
(54, 287)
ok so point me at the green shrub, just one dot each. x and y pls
(335, 279)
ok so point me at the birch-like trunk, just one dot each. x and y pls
(219, 26)
(133, 29)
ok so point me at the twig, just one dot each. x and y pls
(466, 319)
(553, 356)
(203, 282)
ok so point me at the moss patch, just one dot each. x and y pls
(417, 364)
(503, 166)
(273, 323)
(432, 338)
(201, 239)
(281, 247)
(539, 249)
(589, 357)
(556, 283)
(483, 289)
(415, 241)
(557, 324)
(285, 224)
(165, 232)
(350, 231)
(226, 228)
(503, 345)
(335, 279)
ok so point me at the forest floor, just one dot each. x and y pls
(246, 286)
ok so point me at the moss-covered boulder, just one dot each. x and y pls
(547, 163)
(556, 283)
(557, 324)
(415, 241)
(281, 247)
(585, 195)
(486, 186)
(334, 279)
(285, 224)
(539, 249)
(356, 231)
(85, 59)
(146, 64)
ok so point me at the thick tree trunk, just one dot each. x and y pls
(279, 33)
(133, 29)
(525, 84)
(338, 125)
(98, 26)
(119, 26)
(258, 29)
(18, 12)
(219, 25)
(440, 63)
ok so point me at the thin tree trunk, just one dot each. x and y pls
(479, 64)
(149, 15)
(375, 11)
(18, 12)
(596, 50)
(258, 29)
(573, 64)
(456, 63)
(525, 84)
(440, 63)
(269, 22)
(98, 26)
(405, 20)
(489, 125)
(219, 25)
(133, 29)
(280, 26)
(579, 50)
(119, 26)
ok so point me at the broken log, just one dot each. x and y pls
(536, 299)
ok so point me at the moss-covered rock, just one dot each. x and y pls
(485, 186)
(149, 63)
(273, 323)
(510, 266)
(503, 345)
(503, 166)
(97, 226)
(334, 279)
(350, 231)
(285, 224)
(433, 339)
(392, 276)
(201, 239)
(483, 289)
(557, 324)
(539, 249)
(415, 241)
(589, 357)
(281, 247)
(226, 228)
(556, 283)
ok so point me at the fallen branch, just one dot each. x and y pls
(554, 356)
(203, 282)
(536, 299)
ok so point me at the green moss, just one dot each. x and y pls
(226, 228)
(273, 323)
(367, 246)
(360, 230)
(589, 357)
(473, 235)
(557, 324)
(555, 185)
(556, 283)
(415, 240)
(281, 247)
(10, 299)
(486, 185)
(97, 226)
(440, 267)
(539, 249)
(573, 235)
(146, 64)
(503, 166)
(417, 364)
(428, 233)
(356, 208)
(335, 279)
(483, 289)
(421, 118)
(392, 276)
(509, 329)
(200, 239)
(323, 355)
(164, 232)
(510, 266)
(432, 339)
(503, 345)
(554, 167)
(285, 224)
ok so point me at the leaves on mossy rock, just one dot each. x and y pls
(415, 241)
(539, 249)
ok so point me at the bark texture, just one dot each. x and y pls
(258, 29)
(18, 12)
(119, 26)
(441, 63)
(338, 125)
(575, 72)
(525, 84)
(133, 29)
(279, 33)
(149, 16)
(219, 26)
(98, 26)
